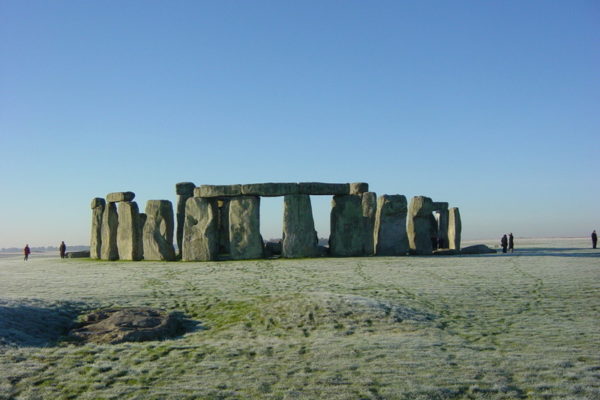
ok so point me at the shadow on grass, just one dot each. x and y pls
(544, 251)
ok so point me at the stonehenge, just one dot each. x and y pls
(215, 222)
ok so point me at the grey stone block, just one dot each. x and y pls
(359, 187)
(454, 228)
(201, 230)
(269, 189)
(158, 231)
(352, 223)
(419, 225)
(218, 191)
(299, 235)
(244, 228)
(98, 202)
(129, 236)
(120, 196)
(326, 189)
(185, 189)
(98, 205)
(391, 238)
(110, 223)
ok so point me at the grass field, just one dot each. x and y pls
(521, 326)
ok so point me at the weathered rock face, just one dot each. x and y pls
(184, 190)
(359, 187)
(269, 189)
(158, 231)
(442, 225)
(129, 236)
(120, 196)
(299, 235)
(218, 191)
(327, 189)
(98, 205)
(454, 228)
(201, 230)
(390, 226)
(223, 226)
(419, 225)
(110, 223)
(111, 326)
(78, 254)
(352, 222)
(142, 217)
(244, 228)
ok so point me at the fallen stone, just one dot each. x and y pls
(269, 189)
(390, 226)
(359, 187)
(201, 230)
(110, 223)
(299, 235)
(318, 188)
(78, 254)
(129, 236)
(98, 205)
(477, 249)
(218, 191)
(446, 252)
(184, 191)
(158, 231)
(244, 228)
(118, 325)
(454, 228)
(120, 196)
(419, 225)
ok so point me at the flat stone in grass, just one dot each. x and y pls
(135, 324)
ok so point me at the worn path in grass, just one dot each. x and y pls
(495, 326)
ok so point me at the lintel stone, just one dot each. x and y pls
(120, 196)
(269, 189)
(359, 187)
(327, 189)
(218, 191)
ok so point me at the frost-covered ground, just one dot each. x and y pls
(493, 326)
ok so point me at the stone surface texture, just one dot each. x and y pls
(201, 230)
(390, 226)
(359, 187)
(324, 189)
(184, 191)
(129, 236)
(98, 205)
(223, 206)
(454, 228)
(120, 196)
(419, 225)
(218, 191)
(352, 223)
(110, 223)
(477, 249)
(442, 224)
(158, 231)
(135, 324)
(245, 240)
(269, 189)
(78, 254)
(299, 235)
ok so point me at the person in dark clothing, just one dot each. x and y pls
(63, 249)
(511, 242)
(594, 239)
(504, 243)
(27, 252)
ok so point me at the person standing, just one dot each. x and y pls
(27, 252)
(594, 240)
(504, 243)
(63, 249)
(511, 242)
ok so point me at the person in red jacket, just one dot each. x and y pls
(27, 252)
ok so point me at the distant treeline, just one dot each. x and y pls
(41, 249)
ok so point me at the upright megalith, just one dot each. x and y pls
(440, 210)
(110, 223)
(201, 230)
(390, 226)
(129, 236)
(299, 235)
(98, 205)
(184, 191)
(223, 213)
(454, 228)
(352, 223)
(245, 241)
(158, 231)
(419, 225)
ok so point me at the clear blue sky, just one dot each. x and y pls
(493, 106)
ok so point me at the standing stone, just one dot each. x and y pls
(433, 231)
(299, 235)
(359, 187)
(223, 226)
(442, 224)
(419, 225)
(142, 221)
(110, 223)
(244, 228)
(352, 223)
(98, 205)
(454, 228)
(201, 230)
(129, 236)
(390, 226)
(184, 190)
(158, 231)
